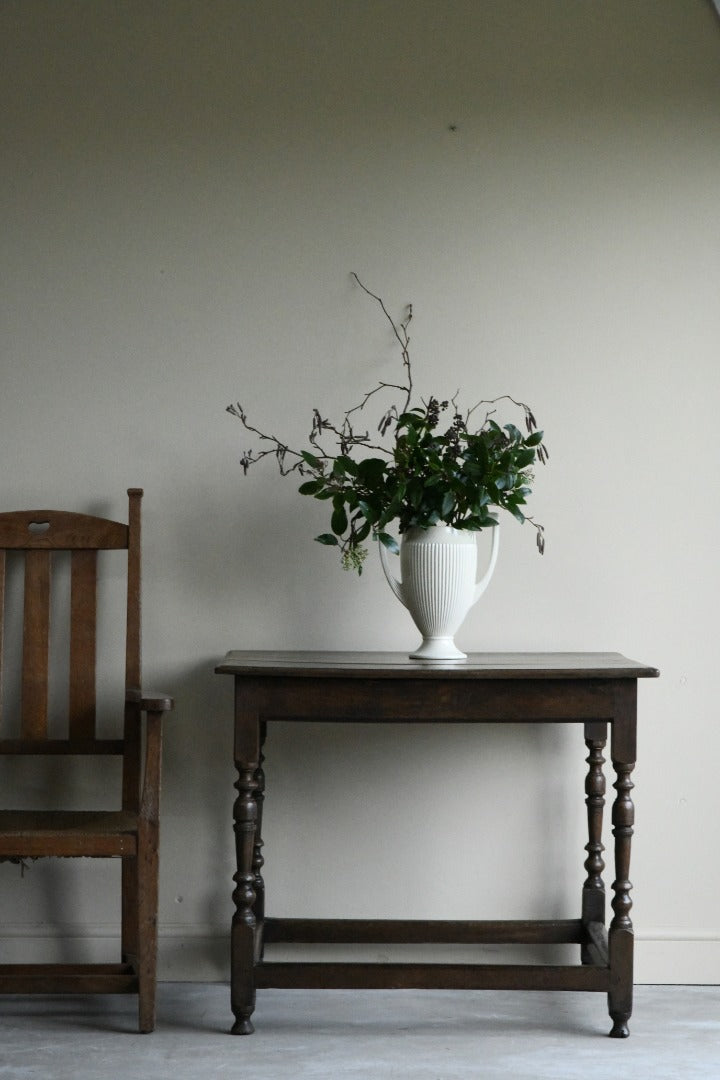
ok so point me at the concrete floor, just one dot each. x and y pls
(371, 1035)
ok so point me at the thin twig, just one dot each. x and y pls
(280, 451)
(401, 333)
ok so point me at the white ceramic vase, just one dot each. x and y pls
(439, 584)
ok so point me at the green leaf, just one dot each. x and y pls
(344, 466)
(370, 470)
(447, 504)
(311, 487)
(327, 538)
(389, 542)
(311, 460)
(413, 418)
(350, 466)
(338, 521)
(369, 510)
(415, 492)
(535, 439)
(362, 533)
(523, 458)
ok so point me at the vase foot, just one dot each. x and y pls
(438, 648)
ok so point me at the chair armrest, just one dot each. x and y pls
(154, 706)
(149, 700)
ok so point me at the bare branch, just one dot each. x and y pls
(280, 449)
(530, 422)
(401, 333)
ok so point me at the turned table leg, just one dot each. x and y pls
(245, 817)
(258, 860)
(244, 923)
(620, 935)
(593, 895)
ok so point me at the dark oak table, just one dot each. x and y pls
(593, 689)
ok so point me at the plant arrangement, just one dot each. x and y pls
(429, 464)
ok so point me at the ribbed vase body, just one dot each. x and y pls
(439, 568)
(439, 586)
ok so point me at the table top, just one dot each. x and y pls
(391, 665)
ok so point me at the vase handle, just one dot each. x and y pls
(392, 581)
(485, 579)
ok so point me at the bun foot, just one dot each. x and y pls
(242, 1027)
(619, 1030)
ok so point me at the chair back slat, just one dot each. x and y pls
(83, 622)
(36, 635)
(2, 627)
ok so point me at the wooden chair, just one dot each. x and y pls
(130, 832)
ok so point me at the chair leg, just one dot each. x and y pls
(147, 926)
(129, 946)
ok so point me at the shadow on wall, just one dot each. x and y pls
(197, 799)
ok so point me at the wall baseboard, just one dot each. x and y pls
(197, 953)
(676, 956)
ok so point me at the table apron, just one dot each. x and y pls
(451, 701)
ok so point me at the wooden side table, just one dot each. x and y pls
(594, 689)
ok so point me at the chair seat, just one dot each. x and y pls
(100, 833)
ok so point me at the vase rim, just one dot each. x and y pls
(425, 533)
